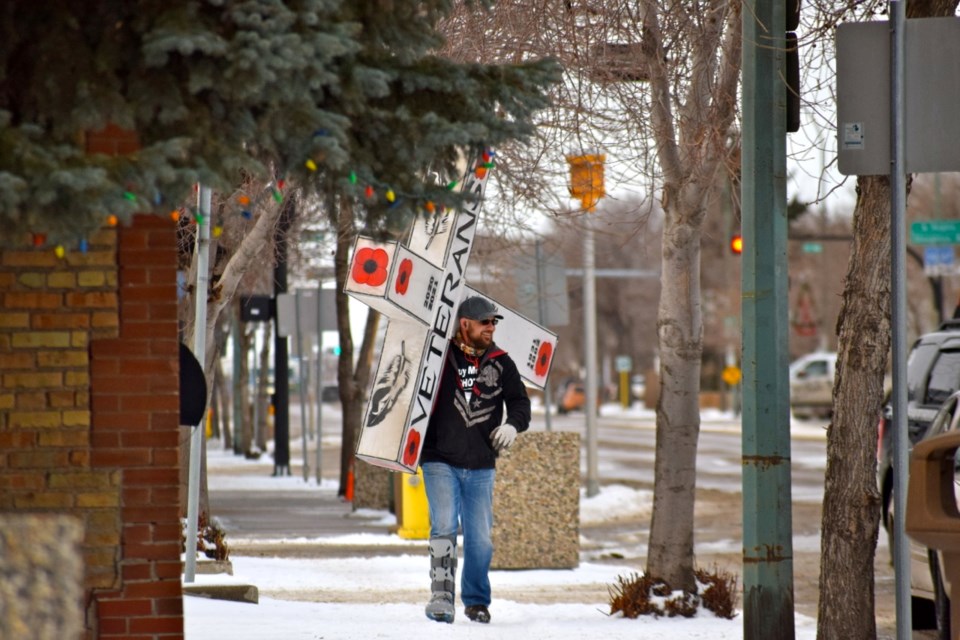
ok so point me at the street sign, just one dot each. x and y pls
(812, 247)
(310, 306)
(255, 308)
(935, 232)
(552, 291)
(938, 260)
(731, 374)
(931, 89)
(624, 363)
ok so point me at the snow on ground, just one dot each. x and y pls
(336, 621)
(382, 587)
(376, 583)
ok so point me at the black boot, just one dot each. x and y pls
(443, 575)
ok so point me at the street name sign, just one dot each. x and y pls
(935, 232)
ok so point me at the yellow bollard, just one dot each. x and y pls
(414, 510)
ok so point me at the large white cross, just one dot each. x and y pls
(418, 289)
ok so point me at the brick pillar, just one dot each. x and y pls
(89, 409)
(135, 431)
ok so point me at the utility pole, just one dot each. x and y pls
(281, 383)
(586, 185)
(767, 524)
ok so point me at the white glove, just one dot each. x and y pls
(503, 436)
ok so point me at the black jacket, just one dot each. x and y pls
(459, 431)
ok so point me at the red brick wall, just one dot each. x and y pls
(89, 409)
(135, 431)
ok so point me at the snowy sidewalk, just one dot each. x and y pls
(379, 591)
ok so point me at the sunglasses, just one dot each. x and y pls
(488, 321)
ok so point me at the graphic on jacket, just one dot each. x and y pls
(474, 403)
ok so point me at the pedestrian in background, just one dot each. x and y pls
(466, 433)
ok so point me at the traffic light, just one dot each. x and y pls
(736, 244)
(586, 178)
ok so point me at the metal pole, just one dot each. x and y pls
(319, 382)
(767, 526)
(300, 387)
(281, 435)
(199, 351)
(542, 319)
(590, 353)
(898, 320)
(236, 327)
(253, 383)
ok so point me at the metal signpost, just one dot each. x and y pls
(542, 294)
(305, 315)
(586, 184)
(875, 138)
(199, 350)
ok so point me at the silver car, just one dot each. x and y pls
(811, 385)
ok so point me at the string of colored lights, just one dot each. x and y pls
(243, 204)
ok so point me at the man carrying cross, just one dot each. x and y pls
(466, 432)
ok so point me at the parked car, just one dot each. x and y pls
(811, 384)
(933, 378)
(571, 396)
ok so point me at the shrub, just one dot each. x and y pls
(718, 591)
(631, 597)
(639, 595)
(211, 539)
(683, 604)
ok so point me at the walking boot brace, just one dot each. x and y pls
(443, 564)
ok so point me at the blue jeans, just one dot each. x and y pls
(466, 495)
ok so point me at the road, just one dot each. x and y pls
(626, 446)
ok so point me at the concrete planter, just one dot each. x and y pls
(41, 576)
(536, 503)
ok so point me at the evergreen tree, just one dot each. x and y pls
(219, 88)
(413, 114)
(342, 97)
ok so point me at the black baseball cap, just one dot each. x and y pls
(477, 308)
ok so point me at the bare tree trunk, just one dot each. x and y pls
(248, 254)
(851, 504)
(215, 405)
(224, 408)
(680, 329)
(851, 498)
(691, 146)
(352, 381)
(263, 397)
(245, 419)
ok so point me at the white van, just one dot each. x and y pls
(811, 385)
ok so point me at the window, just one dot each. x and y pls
(944, 378)
(918, 364)
(816, 369)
